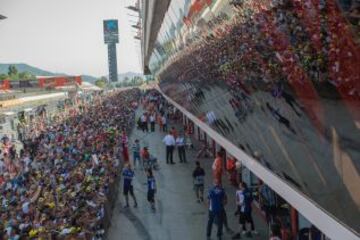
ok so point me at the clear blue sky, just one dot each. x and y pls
(66, 36)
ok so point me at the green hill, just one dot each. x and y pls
(22, 67)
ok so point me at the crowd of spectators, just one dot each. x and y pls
(301, 47)
(58, 185)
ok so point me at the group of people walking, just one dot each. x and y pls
(152, 118)
(128, 176)
(217, 200)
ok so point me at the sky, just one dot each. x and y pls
(66, 36)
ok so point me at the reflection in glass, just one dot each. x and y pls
(281, 77)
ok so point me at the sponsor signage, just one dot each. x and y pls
(111, 31)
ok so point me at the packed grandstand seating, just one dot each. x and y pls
(59, 186)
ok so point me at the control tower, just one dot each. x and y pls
(111, 38)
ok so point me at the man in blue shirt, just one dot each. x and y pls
(217, 200)
(151, 188)
(128, 175)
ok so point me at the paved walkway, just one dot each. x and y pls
(178, 215)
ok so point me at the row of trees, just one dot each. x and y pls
(130, 82)
(14, 74)
(126, 82)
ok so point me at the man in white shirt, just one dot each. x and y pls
(152, 122)
(164, 122)
(169, 141)
(180, 144)
(144, 124)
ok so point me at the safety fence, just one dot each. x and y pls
(113, 192)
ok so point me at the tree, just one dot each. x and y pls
(126, 82)
(100, 83)
(3, 76)
(26, 76)
(12, 70)
(138, 81)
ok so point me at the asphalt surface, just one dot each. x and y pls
(178, 215)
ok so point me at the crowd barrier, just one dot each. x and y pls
(111, 200)
(113, 193)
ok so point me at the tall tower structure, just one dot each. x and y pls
(111, 38)
(112, 59)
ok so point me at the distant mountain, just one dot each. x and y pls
(22, 67)
(88, 78)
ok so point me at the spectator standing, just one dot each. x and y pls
(243, 201)
(124, 143)
(128, 175)
(164, 123)
(144, 124)
(174, 132)
(217, 201)
(151, 183)
(199, 182)
(180, 144)
(267, 201)
(217, 167)
(170, 143)
(136, 152)
(159, 121)
(145, 156)
(188, 133)
(152, 122)
(231, 169)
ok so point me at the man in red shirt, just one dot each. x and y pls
(217, 167)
